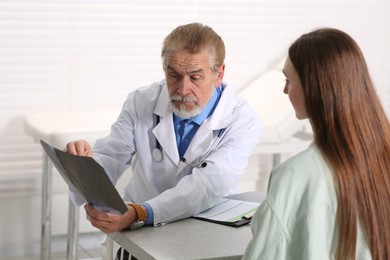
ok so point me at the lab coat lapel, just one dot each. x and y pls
(164, 131)
(199, 144)
(204, 137)
(165, 135)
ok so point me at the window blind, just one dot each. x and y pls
(86, 54)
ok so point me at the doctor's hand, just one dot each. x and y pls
(80, 147)
(110, 222)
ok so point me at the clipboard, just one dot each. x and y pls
(229, 212)
(87, 178)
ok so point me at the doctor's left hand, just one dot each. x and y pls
(109, 222)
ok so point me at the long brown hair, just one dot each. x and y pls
(352, 132)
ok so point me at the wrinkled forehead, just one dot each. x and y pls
(186, 62)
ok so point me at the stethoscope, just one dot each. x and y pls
(157, 152)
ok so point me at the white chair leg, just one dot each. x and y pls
(107, 250)
(73, 232)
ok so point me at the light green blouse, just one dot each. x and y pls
(298, 218)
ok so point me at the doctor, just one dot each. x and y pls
(187, 138)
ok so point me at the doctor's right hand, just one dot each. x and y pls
(80, 147)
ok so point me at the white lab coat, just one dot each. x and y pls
(174, 189)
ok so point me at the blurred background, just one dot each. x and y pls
(87, 55)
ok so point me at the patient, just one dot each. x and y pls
(332, 200)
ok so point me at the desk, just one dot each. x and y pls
(189, 238)
(58, 128)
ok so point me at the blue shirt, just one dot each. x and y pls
(185, 129)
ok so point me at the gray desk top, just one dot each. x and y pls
(188, 239)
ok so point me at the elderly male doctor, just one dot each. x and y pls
(187, 138)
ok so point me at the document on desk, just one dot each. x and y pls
(87, 178)
(230, 212)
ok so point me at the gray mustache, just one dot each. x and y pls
(185, 99)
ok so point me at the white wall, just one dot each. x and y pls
(89, 54)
